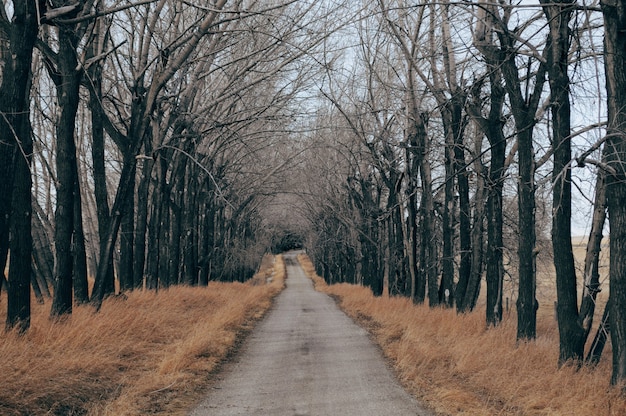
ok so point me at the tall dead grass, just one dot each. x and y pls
(149, 353)
(457, 366)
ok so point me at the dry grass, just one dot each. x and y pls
(147, 354)
(456, 366)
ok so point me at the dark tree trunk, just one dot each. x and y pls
(20, 268)
(142, 221)
(206, 253)
(429, 262)
(417, 282)
(599, 341)
(591, 282)
(615, 71)
(42, 254)
(81, 286)
(158, 237)
(477, 237)
(127, 237)
(492, 126)
(523, 109)
(97, 154)
(446, 294)
(15, 134)
(526, 302)
(173, 270)
(68, 84)
(465, 221)
(571, 333)
(189, 227)
(124, 191)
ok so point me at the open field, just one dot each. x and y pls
(457, 366)
(150, 353)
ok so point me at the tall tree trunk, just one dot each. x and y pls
(96, 46)
(615, 71)
(429, 260)
(158, 221)
(446, 294)
(492, 126)
(68, 84)
(526, 301)
(124, 192)
(571, 333)
(417, 294)
(477, 235)
(15, 131)
(523, 109)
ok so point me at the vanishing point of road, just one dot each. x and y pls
(307, 358)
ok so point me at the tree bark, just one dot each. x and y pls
(79, 252)
(591, 282)
(523, 109)
(68, 84)
(492, 126)
(571, 333)
(142, 220)
(96, 47)
(614, 13)
(127, 233)
(16, 142)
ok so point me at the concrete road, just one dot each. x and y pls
(307, 358)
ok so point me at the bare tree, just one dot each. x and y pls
(19, 34)
(614, 61)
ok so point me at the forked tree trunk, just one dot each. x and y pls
(524, 107)
(492, 126)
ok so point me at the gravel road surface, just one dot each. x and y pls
(307, 358)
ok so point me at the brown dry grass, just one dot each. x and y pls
(456, 366)
(151, 353)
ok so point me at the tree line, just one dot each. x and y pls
(138, 141)
(458, 137)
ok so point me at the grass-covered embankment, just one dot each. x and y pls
(455, 365)
(149, 353)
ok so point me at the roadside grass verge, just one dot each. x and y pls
(148, 353)
(456, 366)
